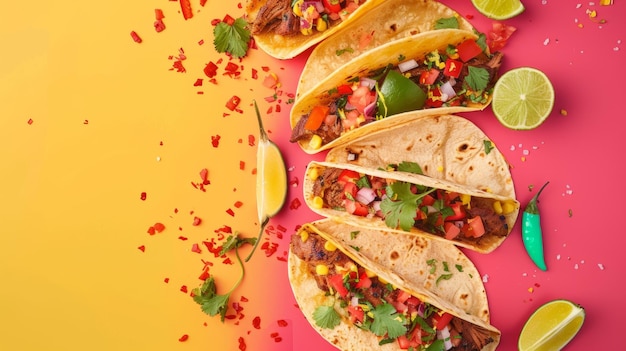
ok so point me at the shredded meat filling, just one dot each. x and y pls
(276, 16)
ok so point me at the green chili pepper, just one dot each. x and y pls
(531, 231)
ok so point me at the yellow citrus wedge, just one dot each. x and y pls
(551, 326)
(522, 98)
(271, 179)
(499, 9)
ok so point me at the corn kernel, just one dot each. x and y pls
(508, 207)
(304, 235)
(306, 31)
(370, 274)
(315, 142)
(497, 207)
(321, 269)
(321, 25)
(318, 202)
(313, 173)
(329, 246)
(465, 199)
(297, 8)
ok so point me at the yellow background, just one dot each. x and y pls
(110, 120)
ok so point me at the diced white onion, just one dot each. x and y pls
(368, 82)
(354, 301)
(444, 334)
(365, 195)
(447, 91)
(407, 65)
(351, 156)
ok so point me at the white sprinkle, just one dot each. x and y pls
(292, 168)
(601, 266)
(616, 48)
(524, 274)
(485, 278)
(535, 147)
(158, 158)
(546, 42)
(525, 152)
(558, 257)
(544, 2)
(578, 6)
(582, 261)
(576, 266)
(512, 147)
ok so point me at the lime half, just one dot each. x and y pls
(551, 326)
(523, 98)
(499, 9)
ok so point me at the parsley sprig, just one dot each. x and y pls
(232, 39)
(206, 295)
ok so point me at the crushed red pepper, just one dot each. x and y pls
(136, 38)
(185, 7)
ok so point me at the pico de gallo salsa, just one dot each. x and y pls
(290, 17)
(452, 215)
(461, 75)
(366, 301)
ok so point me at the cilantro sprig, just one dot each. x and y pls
(232, 38)
(206, 295)
(401, 205)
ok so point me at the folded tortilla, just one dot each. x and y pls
(446, 147)
(415, 46)
(483, 244)
(394, 19)
(405, 263)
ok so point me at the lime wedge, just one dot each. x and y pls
(522, 98)
(271, 179)
(499, 9)
(551, 326)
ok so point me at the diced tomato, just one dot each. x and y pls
(428, 200)
(474, 228)
(348, 175)
(350, 189)
(336, 282)
(499, 35)
(352, 120)
(468, 49)
(356, 314)
(228, 19)
(316, 117)
(403, 296)
(453, 68)
(403, 342)
(459, 211)
(435, 100)
(452, 231)
(355, 207)
(332, 5)
(429, 77)
(413, 303)
(361, 97)
(344, 89)
(364, 281)
(440, 321)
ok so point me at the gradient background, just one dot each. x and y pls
(110, 119)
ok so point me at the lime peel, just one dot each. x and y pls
(552, 326)
(499, 9)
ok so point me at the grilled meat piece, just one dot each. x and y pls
(327, 187)
(276, 16)
(494, 223)
(474, 337)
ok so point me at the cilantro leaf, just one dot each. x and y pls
(232, 39)
(400, 212)
(386, 320)
(216, 304)
(326, 317)
(450, 22)
(488, 146)
(204, 292)
(410, 167)
(477, 78)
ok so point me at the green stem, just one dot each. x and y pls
(258, 239)
(243, 271)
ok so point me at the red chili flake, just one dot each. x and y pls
(233, 102)
(166, 280)
(225, 114)
(282, 323)
(212, 247)
(158, 14)
(201, 42)
(243, 299)
(239, 6)
(196, 221)
(265, 69)
(183, 338)
(151, 231)
(469, 17)
(86, 121)
(159, 26)
(215, 21)
(202, 2)
(196, 248)
(183, 288)
(237, 307)
(230, 212)
(269, 248)
(271, 98)
(143, 196)
(198, 82)
(182, 238)
(274, 335)
(204, 175)
(238, 204)
(281, 228)
(278, 108)
(270, 110)
(135, 37)
(278, 339)
(242, 165)
(295, 204)
(215, 140)
(225, 229)
(255, 74)
(242, 344)
(178, 66)
(227, 260)
(231, 67)
(185, 6)
(270, 81)
(294, 182)
(210, 69)
(228, 19)
(256, 322)
(142, 248)
(252, 43)
(251, 140)
(205, 274)
(159, 227)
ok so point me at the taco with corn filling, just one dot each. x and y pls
(436, 72)
(357, 303)
(401, 199)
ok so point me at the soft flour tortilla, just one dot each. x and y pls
(485, 244)
(446, 147)
(286, 47)
(395, 19)
(416, 46)
(348, 337)
(408, 256)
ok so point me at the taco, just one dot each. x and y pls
(395, 19)
(446, 147)
(358, 303)
(401, 199)
(436, 72)
(286, 28)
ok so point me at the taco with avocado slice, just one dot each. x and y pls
(396, 19)
(436, 72)
(401, 199)
(358, 302)
(286, 28)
